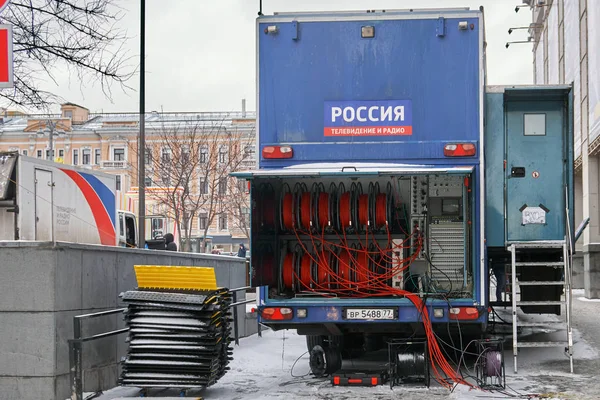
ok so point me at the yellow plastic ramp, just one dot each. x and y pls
(175, 277)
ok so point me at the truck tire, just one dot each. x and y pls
(315, 340)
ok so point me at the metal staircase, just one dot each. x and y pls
(517, 248)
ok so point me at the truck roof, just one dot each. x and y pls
(373, 14)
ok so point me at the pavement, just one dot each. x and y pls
(276, 367)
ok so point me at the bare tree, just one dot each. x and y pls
(189, 163)
(238, 206)
(78, 35)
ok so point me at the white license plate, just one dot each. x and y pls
(370, 313)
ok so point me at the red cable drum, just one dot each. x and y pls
(323, 268)
(305, 271)
(287, 211)
(362, 266)
(363, 209)
(288, 271)
(345, 211)
(381, 210)
(305, 214)
(323, 211)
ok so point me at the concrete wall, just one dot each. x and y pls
(44, 286)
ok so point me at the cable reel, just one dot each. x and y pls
(287, 218)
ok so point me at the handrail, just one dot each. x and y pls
(76, 348)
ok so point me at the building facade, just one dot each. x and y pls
(566, 39)
(214, 144)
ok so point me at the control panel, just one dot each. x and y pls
(445, 186)
(418, 195)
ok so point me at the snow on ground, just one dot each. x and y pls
(276, 367)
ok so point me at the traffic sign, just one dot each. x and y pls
(3, 4)
(6, 56)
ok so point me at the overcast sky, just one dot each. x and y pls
(200, 54)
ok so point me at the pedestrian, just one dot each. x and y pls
(242, 251)
(170, 242)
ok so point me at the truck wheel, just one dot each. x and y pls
(315, 340)
(324, 361)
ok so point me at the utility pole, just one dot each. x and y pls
(142, 137)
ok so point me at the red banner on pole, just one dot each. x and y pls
(3, 4)
(6, 55)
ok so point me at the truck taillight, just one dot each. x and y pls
(459, 150)
(277, 152)
(463, 313)
(276, 313)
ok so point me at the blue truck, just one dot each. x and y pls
(389, 176)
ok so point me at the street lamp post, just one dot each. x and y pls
(142, 137)
(52, 131)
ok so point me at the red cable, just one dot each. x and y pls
(345, 218)
(323, 268)
(323, 209)
(381, 210)
(305, 216)
(362, 267)
(288, 211)
(344, 267)
(305, 272)
(363, 209)
(288, 271)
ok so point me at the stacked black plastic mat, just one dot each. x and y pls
(177, 339)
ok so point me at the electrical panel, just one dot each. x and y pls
(418, 195)
(445, 186)
(447, 253)
(397, 257)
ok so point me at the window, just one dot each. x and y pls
(203, 186)
(48, 157)
(148, 156)
(24, 152)
(97, 156)
(39, 154)
(204, 155)
(249, 149)
(148, 182)
(75, 156)
(158, 227)
(223, 187)
(61, 153)
(185, 155)
(69, 114)
(119, 154)
(243, 186)
(223, 222)
(202, 220)
(118, 182)
(222, 155)
(534, 124)
(245, 215)
(86, 156)
(166, 156)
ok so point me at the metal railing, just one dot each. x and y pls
(76, 349)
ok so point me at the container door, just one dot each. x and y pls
(535, 171)
(43, 205)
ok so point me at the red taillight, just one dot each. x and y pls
(463, 313)
(459, 150)
(277, 152)
(276, 313)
